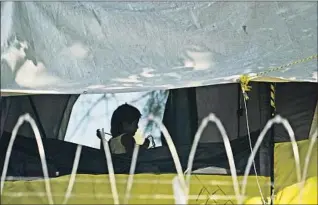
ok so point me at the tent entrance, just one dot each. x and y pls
(183, 111)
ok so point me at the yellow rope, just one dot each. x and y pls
(245, 79)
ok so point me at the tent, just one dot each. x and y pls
(213, 57)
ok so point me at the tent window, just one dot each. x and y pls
(93, 111)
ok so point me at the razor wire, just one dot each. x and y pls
(276, 120)
(131, 173)
(110, 168)
(180, 176)
(312, 142)
(230, 157)
(29, 119)
(73, 174)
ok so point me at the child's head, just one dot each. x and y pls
(125, 119)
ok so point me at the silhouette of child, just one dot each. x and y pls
(124, 124)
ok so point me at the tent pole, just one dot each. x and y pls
(193, 112)
(37, 118)
(239, 110)
(62, 116)
(272, 141)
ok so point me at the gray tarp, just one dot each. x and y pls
(76, 47)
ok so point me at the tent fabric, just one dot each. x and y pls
(180, 116)
(287, 188)
(157, 189)
(51, 113)
(5, 105)
(185, 112)
(83, 47)
(60, 156)
(284, 165)
(226, 102)
(296, 102)
(146, 189)
(291, 194)
(314, 122)
(25, 161)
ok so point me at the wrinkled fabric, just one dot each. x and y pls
(94, 47)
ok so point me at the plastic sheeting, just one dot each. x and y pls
(76, 47)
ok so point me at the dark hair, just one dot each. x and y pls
(124, 113)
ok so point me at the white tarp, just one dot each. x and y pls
(76, 47)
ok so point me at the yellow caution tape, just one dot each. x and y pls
(273, 95)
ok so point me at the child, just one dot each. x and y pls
(124, 124)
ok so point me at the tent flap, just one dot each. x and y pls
(51, 113)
